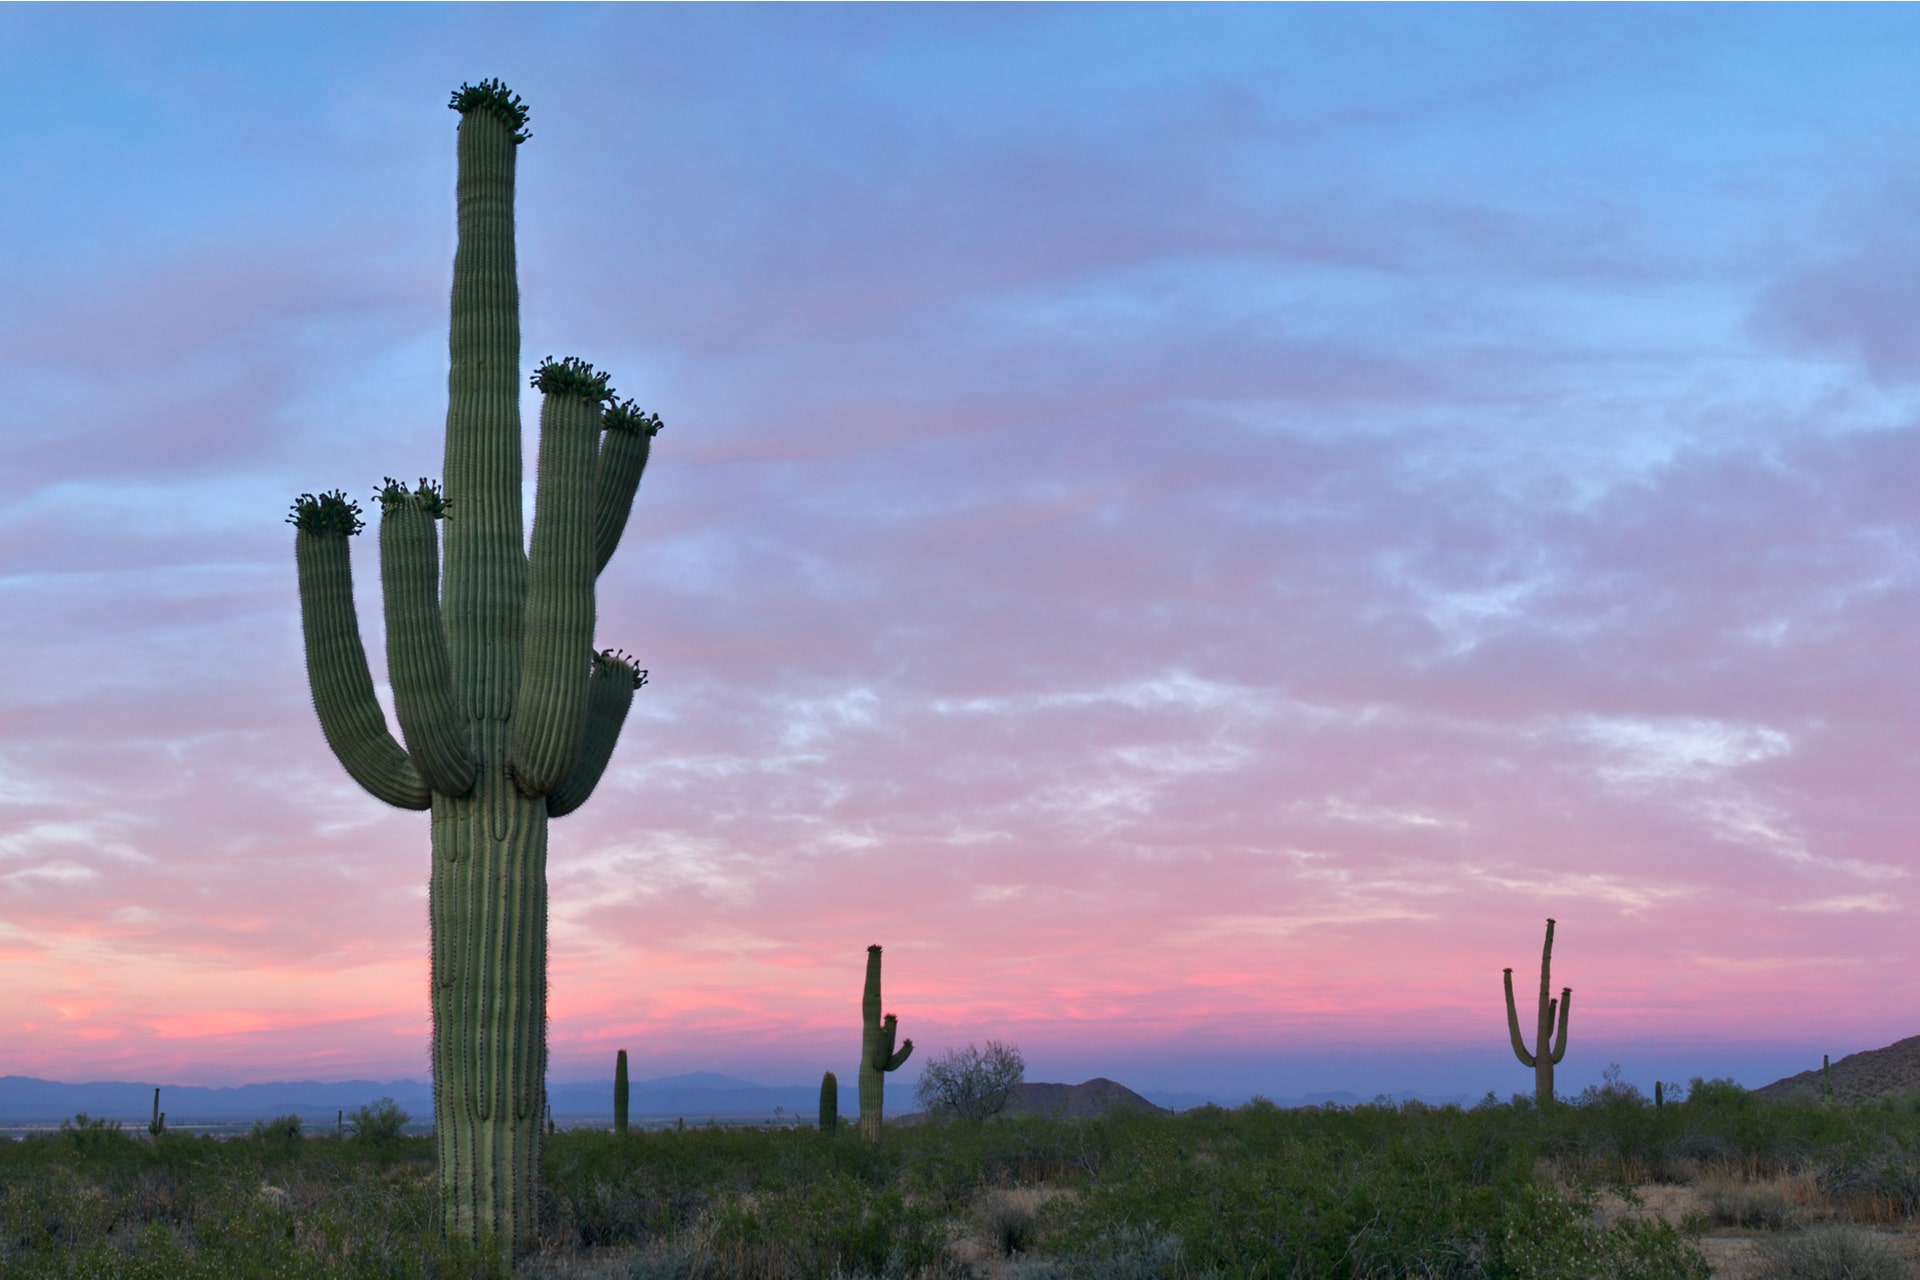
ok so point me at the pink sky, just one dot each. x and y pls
(1199, 550)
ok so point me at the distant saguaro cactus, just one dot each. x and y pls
(1826, 1078)
(1541, 1059)
(829, 1104)
(620, 1093)
(877, 1056)
(509, 716)
(157, 1125)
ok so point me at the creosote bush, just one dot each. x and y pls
(378, 1122)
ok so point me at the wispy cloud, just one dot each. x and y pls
(1211, 542)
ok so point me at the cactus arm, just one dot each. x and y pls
(1546, 991)
(615, 680)
(550, 715)
(1560, 1040)
(894, 1060)
(616, 476)
(350, 717)
(486, 567)
(1513, 1026)
(436, 734)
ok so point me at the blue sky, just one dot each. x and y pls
(1197, 527)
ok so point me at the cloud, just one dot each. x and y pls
(1170, 549)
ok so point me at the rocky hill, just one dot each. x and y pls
(1069, 1101)
(1867, 1076)
(1076, 1101)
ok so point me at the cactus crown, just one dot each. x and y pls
(625, 415)
(571, 377)
(613, 659)
(497, 100)
(427, 496)
(331, 512)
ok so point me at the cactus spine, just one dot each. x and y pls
(829, 1104)
(1541, 1059)
(157, 1125)
(620, 1093)
(507, 714)
(877, 1056)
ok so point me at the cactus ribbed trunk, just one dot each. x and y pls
(488, 889)
(488, 901)
(509, 716)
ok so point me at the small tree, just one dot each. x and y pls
(970, 1083)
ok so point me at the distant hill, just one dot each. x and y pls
(1076, 1101)
(1866, 1076)
(1069, 1101)
(695, 1096)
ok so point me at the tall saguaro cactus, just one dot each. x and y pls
(877, 1056)
(508, 715)
(620, 1093)
(1542, 1060)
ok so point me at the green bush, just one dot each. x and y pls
(1548, 1236)
(379, 1123)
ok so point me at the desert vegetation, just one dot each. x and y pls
(1718, 1183)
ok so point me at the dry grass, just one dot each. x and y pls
(1757, 1221)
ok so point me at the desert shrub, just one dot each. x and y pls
(1878, 1181)
(1008, 1219)
(379, 1123)
(1722, 1095)
(1124, 1253)
(1830, 1253)
(1550, 1236)
(95, 1138)
(1728, 1201)
(1612, 1091)
(279, 1138)
(834, 1227)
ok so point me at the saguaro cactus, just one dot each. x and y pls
(877, 1056)
(157, 1125)
(829, 1103)
(620, 1093)
(508, 715)
(1541, 1060)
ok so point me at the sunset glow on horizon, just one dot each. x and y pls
(1197, 528)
